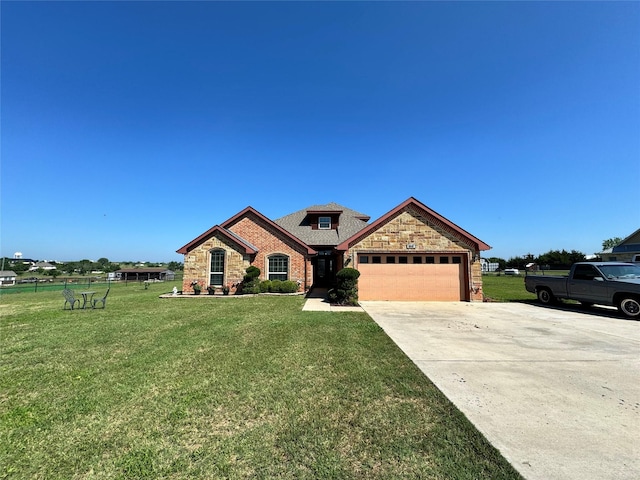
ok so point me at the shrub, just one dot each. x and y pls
(346, 290)
(251, 282)
(265, 286)
(289, 286)
(275, 286)
(251, 273)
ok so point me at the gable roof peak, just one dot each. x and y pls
(411, 201)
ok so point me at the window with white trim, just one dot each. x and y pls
(278, 267)
(324, 223)
(216, 275)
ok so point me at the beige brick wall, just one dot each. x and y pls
(428, 235)
(197, 263)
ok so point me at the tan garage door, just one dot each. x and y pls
(411, 282)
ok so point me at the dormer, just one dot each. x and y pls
(324, 219)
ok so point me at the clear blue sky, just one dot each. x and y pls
(128, 129)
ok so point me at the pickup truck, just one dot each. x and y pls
(602, 283)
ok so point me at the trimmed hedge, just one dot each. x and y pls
(278, 286)
(251, 284)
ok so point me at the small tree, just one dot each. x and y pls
(250, 281)
(346, 291)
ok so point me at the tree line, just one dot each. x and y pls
(553, 259)
(81, 267)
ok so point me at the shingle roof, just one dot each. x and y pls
(350, 222)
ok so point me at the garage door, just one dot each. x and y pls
(391, 280)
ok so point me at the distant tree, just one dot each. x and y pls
(517, 262)
(575, 256)
(68, 268)
(175, 266)
(18, 266)
(611, 242)
(103, 262)
(560, 259)
(84, 266)
(52, 273)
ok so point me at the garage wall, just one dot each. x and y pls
(411, 232)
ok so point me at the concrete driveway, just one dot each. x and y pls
(557, 391)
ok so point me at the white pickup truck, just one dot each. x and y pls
(602, 283)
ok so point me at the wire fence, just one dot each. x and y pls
(74, 283)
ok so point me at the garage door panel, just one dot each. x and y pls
(440, 282)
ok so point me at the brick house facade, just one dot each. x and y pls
(410, 253)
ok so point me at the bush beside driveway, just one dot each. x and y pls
(557, 391)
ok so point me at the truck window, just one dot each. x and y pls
(585, 272)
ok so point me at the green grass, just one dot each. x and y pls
(219, 388)
(505, 288)
(510, 288)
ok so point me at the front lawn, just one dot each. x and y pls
(219, 388)
(505, 288)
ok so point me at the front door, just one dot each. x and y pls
(324, 271)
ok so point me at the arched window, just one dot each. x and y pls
(216, 276)
(278, 267)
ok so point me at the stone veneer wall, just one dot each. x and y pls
(197, 263)
(429, 236)
(266, 239)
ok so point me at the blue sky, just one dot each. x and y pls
(128, 129)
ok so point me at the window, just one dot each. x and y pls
(444, 259)
(403, 260)
(391, 259)
(429, 259)
(585, 272)
(278, 267)
(376, 259)
(456, 259)
(324, 223)
(364, 258)
(216, 276)
(417, 259)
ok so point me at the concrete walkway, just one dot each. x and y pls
(317, 302)
(557, 391)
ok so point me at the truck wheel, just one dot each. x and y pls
(545, 296)
(630, 306)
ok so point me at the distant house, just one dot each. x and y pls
(625, 251)
(46, 266)
(7, 277)
(149, 273)
(488, 266)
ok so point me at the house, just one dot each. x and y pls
(46, 266)
(410, 253)
(625, 251)
(143, 274)
(7, 277)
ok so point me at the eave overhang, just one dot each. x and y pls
(245, 246)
